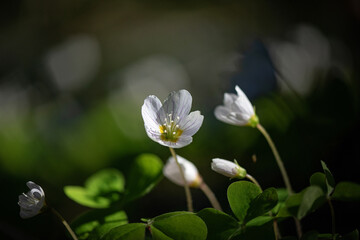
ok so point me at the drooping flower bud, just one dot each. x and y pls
(191, 174)
(32, 202)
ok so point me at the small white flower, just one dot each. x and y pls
(171, 171)
(32, 202)
(170, 123)
(227, 168)
(237, 110)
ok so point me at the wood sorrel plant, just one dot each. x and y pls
(255, 213)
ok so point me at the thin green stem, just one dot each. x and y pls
(282, 170)
(251, 178)
(67, 226)
(277, 157)
(332, 218)
(186, 186)
(210, 195)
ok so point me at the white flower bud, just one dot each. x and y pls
(227, 168)
(32, 202)
(191, 174)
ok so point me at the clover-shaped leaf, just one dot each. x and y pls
(100, 190)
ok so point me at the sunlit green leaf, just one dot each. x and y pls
(347, 191)
(105, 181)
(240, 194)
(100, 191)
(144, 174)
(95, 223)
(219, 224)
(262, 204)
(178, 225)
(132, 231)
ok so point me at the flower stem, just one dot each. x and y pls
(186, 186)
(67, 226)
(277, 158)
(282, 170)
(251, 178)
(210, 195)
(332, 217)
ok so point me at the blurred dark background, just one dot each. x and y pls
(74, 74)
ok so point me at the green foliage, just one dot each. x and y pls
(219, 224)
(144, 174)
(126, 232)
(100, 190)
(330, 182)
(107, 186)
(282, 196)
(300, 204)
(262, 204)
(96, 223)
(347, 191)
(179, 225)
(319, 179)
(240, 194)
(174, 225)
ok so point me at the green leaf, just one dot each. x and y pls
(95, 223)
(300, 204)
(100, 191)
(130, 231)
(319, 179)
(330, 182)
(178, 225)
(313, 197)
(83, 197)
(144, 174)
(262, 204)
(346, 191)
(354, 235)
(265, 231)
(219, 224)
(282, 196)
(105, 181)
(259, 221)
(240, 194)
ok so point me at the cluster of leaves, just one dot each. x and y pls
(253, 211)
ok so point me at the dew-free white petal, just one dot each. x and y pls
(192, 123)
(171, 171)
(151, 113)
(178, 104)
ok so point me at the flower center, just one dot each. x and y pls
(170, 130)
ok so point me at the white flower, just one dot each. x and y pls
(227, 168)
(32, 202)
(170, 123)
(191, 174)
(237, 110)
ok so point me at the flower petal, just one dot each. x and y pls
(183, 141)
(192, 123)
(151, 112)
(178, 104)
(229, 99)
(225, 114)
(243, 103)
